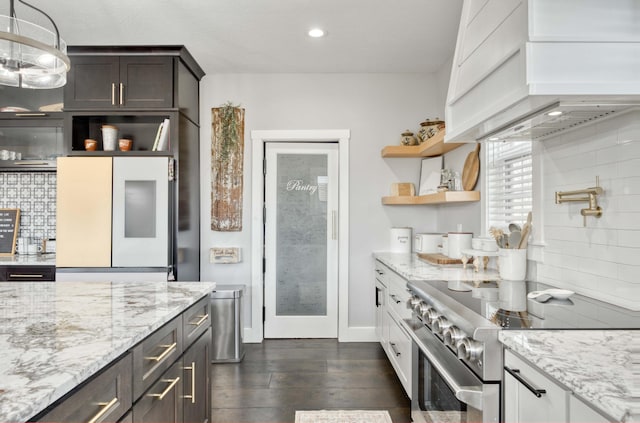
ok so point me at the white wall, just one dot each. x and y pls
(377, 108)
(601, 259)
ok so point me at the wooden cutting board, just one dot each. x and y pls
(438, 258)
(471, 169)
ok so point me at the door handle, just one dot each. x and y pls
(113, 93)
(516, 374)
(121, 93)
(334, 221)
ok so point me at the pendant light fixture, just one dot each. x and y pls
(31, 56)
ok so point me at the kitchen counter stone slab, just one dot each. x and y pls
(55, 335)
(596, 365)
(412, 268)
(29, 260)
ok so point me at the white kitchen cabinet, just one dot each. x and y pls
(530, 396)
(382, 325)
(391, 307)
(399, 354)
(579, 412)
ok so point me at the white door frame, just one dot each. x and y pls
(258, 138)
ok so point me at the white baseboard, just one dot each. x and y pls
(351, 334)
(359, 334)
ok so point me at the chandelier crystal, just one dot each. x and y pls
(31, 56)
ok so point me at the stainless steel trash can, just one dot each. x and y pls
(226, 313)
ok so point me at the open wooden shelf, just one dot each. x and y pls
(434, 146)
(445, 197)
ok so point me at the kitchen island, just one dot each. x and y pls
(56, 335)
(596, 365)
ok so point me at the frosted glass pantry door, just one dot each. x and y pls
(140, 212)
(301, 240)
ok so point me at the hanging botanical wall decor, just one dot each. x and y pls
(227, 153)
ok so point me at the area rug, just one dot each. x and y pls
(343, 416)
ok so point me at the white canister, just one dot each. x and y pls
(426, 243)
(109, 137)
(512, 263)
(400, 240)
(459, 241)
(513, 295)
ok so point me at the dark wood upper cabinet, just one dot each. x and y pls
(107, 82)
(133, 77)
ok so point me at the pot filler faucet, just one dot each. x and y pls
(589, 195)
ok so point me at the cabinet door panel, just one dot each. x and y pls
(146, 82)
(83, 222)
(197, 383)
(163, 401)
(92, 82)
(106, 398)
(140, 212)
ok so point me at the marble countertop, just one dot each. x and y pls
(412, 268)
(595, 365)
(54, 335)
(29, 260)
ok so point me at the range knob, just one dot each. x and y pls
(431, 316)
(413, 302)
(452, 335)
(422, 310)
(440, 324)
(470, 350)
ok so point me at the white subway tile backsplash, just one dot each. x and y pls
(600, 260)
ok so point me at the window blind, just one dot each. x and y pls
(509, 183)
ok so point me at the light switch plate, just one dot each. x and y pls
(225, 255)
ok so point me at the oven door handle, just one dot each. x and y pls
(470, 395)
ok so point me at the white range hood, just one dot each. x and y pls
(516, 61)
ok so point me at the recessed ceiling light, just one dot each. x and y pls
(554, 113)
(316, 33)
(494, 139)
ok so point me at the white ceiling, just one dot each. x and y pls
(231, 36)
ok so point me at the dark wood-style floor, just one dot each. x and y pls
(278, 377)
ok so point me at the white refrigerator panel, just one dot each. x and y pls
(140, 235)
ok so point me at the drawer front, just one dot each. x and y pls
(156, 354)
(382, 272)
(400, 354)
(29, 273)
(163, 401)
(550, 406)
(195, 321)
(398, 297)
(106, 398)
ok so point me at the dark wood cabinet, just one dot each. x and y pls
(106, 82)
(196, 376)
(135, 88)
(163, 401)
(26, 273)
(105, 398)
(153, 382)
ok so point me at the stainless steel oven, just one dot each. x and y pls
(444, 388)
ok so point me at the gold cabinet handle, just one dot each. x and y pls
(30, 114)
(113, 93)
(169, 349)
(193, 382)
(105, 408)
(24, 275)
(172, 383)
(201, 321)
(121, 93)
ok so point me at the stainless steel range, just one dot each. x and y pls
(457, 358)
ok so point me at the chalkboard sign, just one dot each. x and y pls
(9, 224)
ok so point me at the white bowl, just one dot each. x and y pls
(559, 294)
